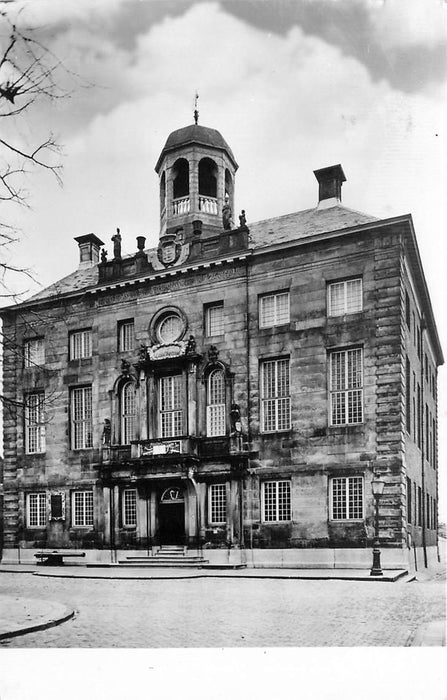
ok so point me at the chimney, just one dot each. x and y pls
(330, 181)
(89, 246)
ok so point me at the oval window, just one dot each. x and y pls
(169, 329)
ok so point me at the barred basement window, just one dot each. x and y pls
(346, 386)
(34, 352)
(215, 410)
(275, 395)
(129, 508)
(218, 504)
(128, 413)
(126, 336)
(80, 344)
(276, 504)
(81, 418)
(274, 310)
(36, 510)
(345, 297)
(83, 508)
(34, 423)
(347, 498)
(170, 399)
(214, 319)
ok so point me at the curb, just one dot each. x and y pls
(67, 615)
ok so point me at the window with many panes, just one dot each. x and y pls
(276, 503)
(345, 297)
(274, 309)
(82, 508)
(80, 344)
(128, 413)
(215, 409)
(347, 498)
(275, 395)
(34, 423)
(36, 510)
(170, 403)
(81, 418)
(129, 507)
(34, 352)
(126, 335)
(346, 386)
(218, 504)
(214, 319)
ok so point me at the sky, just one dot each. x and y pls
(292, 85)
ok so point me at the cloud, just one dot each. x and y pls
(408, 23)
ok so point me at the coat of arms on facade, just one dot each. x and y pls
(171, 250)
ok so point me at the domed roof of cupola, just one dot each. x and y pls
(196, 134)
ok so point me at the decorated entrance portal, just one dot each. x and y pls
(171, 516)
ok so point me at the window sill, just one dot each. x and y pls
(280, 327)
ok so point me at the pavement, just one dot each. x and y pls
(21, 616)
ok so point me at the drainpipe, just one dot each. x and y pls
(424, 541)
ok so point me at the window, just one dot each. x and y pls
(407, 310)
(276, 501)
(347, 498)
(34, 352)
(274, 310)
(169, 329)
(419, 506)
(83, 508)
(36, 510)
(80, 344)
(408, 395)
(346, 386)
(34, 423)
(129, 508)
(409, 504)
(215, 410)
(81, 418)
(345, 297)
(218, 504)
(128, 413)
(275, 395)
(170, 399)
(126, 336)
(214, 319)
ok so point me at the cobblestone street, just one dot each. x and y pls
(213, 612)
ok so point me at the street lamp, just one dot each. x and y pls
(377, 489)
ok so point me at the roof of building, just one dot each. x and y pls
(279, 229)
(300, 224)
(195, 133)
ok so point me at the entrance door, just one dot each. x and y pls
(171, 517)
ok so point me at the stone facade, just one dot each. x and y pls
(235, 390)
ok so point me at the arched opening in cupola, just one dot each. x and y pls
(181, 178)
(162, 193)
(208, 186)
(228, 186)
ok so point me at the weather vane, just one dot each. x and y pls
(196, 111)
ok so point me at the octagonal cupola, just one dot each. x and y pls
(196, 169)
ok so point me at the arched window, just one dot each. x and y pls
(229, 185)
(208, 177)
(128, 413)
(181, 178)
(215, 400)
(162, 194)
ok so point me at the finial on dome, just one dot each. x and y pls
(196, 111)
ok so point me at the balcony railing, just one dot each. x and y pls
(180, 205)
(164, 447)
(207, 204)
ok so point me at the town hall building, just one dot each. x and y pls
(230, 394)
